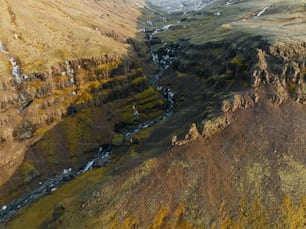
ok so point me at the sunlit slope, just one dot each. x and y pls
(42, 33)
(42, 36)
(240, 76)
(275, 20)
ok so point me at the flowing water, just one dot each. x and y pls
(103, 153)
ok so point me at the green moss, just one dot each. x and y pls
(152, 104)
(92, 86)
(150, 91)
(139, 80)
(237, 60)
(213, 79)
(144, 170)
(292, 176)
(134, 154)
(83, 97)
(29, 171)
(149, 104)
(78, 131)
(292, 87)
(27, 167)
(42, 210)
(144, 134)
(48, 148)
(41, 131)
(117, 139)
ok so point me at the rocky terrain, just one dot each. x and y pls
(57, 95)
(213, 139)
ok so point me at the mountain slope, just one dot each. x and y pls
(55, 57)
(232, 155)
(51, 32)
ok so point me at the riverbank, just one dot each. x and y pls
(237, 130)
(103, 156)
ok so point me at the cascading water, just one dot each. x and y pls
(103, 154)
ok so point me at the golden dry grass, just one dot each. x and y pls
(41, 34)
(191, 183)
(52, 31)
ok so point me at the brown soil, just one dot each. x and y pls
(250, 175)
(252, 161)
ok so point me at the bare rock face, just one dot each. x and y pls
(40, 97)
(192, 135)
(174, 140)
(193, 132)
(256, 77)
(248, 75)
(24, 131)
(238, 101)
(282, 69)
(211, 127)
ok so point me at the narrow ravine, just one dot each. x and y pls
(103, 153)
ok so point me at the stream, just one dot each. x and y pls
(103, 153)
(16, 68)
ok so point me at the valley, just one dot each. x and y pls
(201, 102)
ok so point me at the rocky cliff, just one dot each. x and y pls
(232, 153)
(84, 87)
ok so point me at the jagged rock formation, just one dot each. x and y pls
(41, 97)
(263, 72)
(241, 82)
(192, 135)
(70, 62)
(66, 90)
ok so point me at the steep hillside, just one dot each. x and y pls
(232, 153)
(60, 59)
(43, 33)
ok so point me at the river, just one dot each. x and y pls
(103, 153)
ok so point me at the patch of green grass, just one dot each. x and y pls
(149, 104)
(144, 134)
(139, 80)
(47, 146)
(83, 97)
(238, 60)
(27, 167)
(117, 139)
(78, 131)
(41, 211)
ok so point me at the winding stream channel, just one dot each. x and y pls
(103, 154)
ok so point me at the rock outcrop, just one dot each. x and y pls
(239, 100)
(192, 135)
(245, 75)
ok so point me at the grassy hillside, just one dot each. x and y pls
(239, 75)
(74, 58)
(50, 32)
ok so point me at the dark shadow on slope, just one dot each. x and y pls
(201, 77)
(98, 116)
